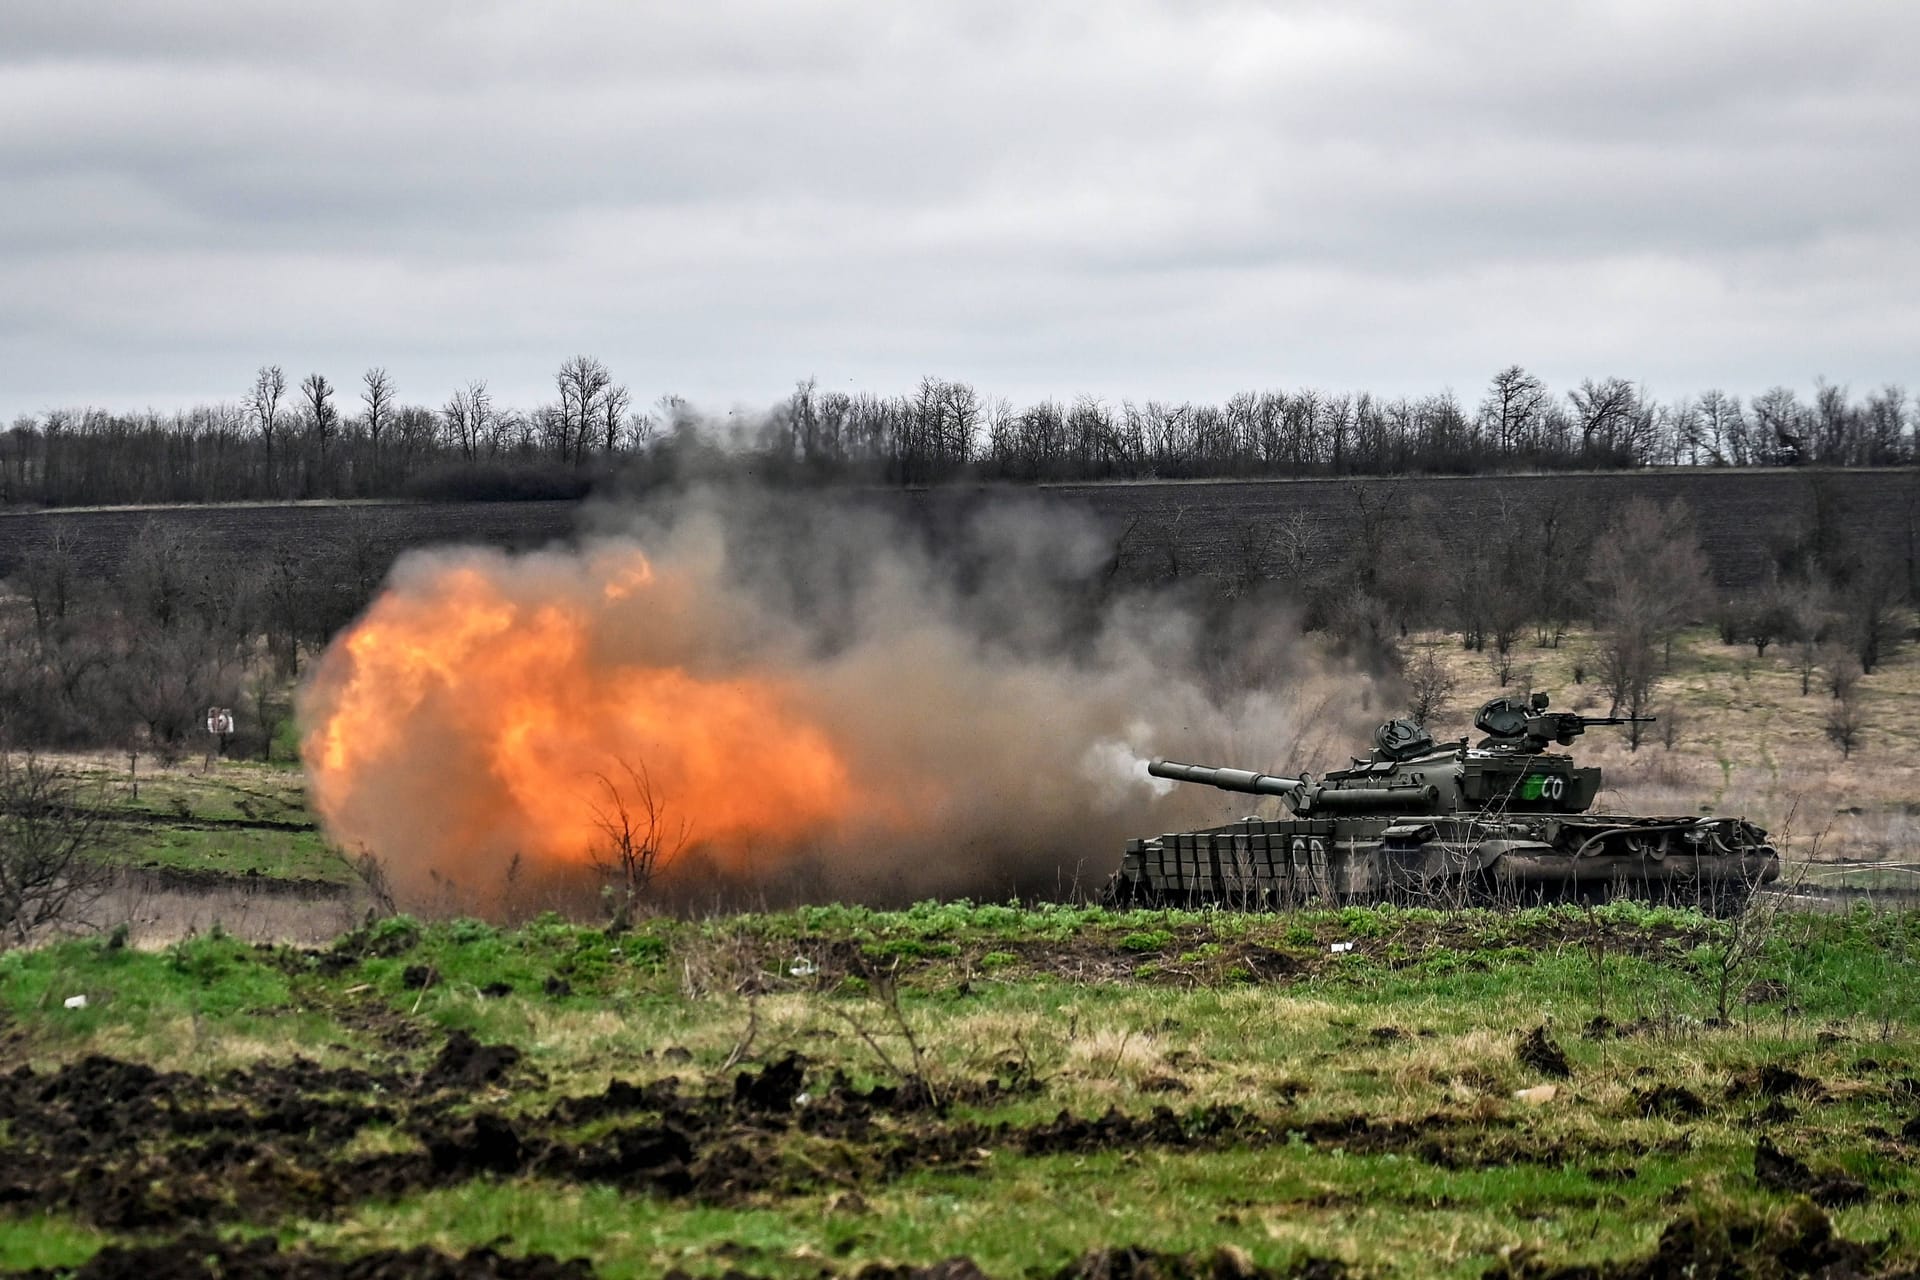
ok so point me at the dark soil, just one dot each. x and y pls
(1539, 1052)
(1774, 1081)
(192, 1256)
(131, 1148)
(1829, 1188)
(1799, 1243)
(1127, 1262)
(1673, 1101)
(465, 1063)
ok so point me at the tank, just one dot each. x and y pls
(1504, 819)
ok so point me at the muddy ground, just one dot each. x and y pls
(182, 1171)
(162, 1155)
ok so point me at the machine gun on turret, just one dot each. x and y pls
(1526, 726)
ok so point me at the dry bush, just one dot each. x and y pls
(1430, 685)
(51, 835)
(1842, 672)
(1672, 721)
(1845, 724)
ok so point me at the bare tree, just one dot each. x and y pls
(1721, 428)
(613, 415)
(1808, 622)
(1511, 412)
(1781, 427)
(583, 383)
(166, 572)
(1650, 571)
(637, 839)
(168, 678)
(263, 404)
(323, 419)
(1629, 669)
(469, 415)
(1767, 618)
(1870, 598)
(1252, 554)
(377, 394)
(50, 871)
(51, 575)
(1614, 420)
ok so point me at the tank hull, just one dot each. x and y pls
(1455, 859)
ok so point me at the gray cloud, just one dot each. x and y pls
(1133, 199)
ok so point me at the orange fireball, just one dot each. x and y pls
(485, 704)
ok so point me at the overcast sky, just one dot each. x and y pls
(1170, 200)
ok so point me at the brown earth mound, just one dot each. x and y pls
(193, 1257)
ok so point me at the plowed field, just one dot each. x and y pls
(1737, 512)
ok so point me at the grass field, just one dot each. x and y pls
(195, 818)
(810, 1093)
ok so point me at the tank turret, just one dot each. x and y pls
(1506, 816)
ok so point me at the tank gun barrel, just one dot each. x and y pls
(1302, 795)
(1244, 780)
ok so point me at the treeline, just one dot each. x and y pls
(313, 441)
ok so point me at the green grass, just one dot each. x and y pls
(190, 790)
(231, 818)
(283, 855)
(46, 1240)
(1417, 1026)
(206, 997)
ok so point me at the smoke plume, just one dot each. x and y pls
(796, 697)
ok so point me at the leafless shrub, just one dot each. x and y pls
(1252, 556)
(1842, 672)
(1845, 723)
(1500, 663)
(1430, 686)
(884, 989)
(372, 874)
(51, 874)
(637, 840)
(1672, 720)
(512, 909)
(1808, 622)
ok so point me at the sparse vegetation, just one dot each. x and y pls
(1050, 1085)
(52, 842)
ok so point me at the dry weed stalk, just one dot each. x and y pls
(884, 988)
(1749, 930)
